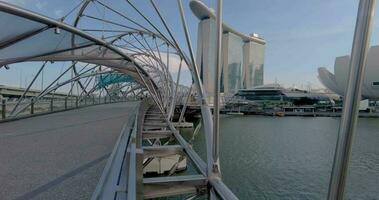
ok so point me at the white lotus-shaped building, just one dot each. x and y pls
(337, 82)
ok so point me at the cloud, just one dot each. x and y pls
(41, 4)
(58, 13)
(16, 2)
(174, 62)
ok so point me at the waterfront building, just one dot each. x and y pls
(272, 93)
(242, 55)
(337, 82)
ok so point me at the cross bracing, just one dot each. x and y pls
(140, 46)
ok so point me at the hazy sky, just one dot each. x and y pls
(301, 35)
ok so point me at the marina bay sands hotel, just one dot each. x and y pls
(242, 55)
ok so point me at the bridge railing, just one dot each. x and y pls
(45, 106)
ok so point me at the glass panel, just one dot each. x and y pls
(45, 42)
(104, 80)
(17, 27)
(233, 79)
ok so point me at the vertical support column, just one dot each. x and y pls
(173, 103)
(181, 117)
(3, 109)
(51, 105)
(32, 106)
(352, 97)
(216, 103)
(205, 110)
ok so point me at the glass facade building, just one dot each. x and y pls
(232, 63)
(253, 64)
(242, 59)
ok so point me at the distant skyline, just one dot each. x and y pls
(301, 35)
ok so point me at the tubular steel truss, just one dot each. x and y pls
(110, 52)
(129, 56)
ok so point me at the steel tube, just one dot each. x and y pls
(352, 97)
(185, 105)
(216, 100)
(45, 20)
(205, 110)
(28, 88)
(173, 103)
(132, 176)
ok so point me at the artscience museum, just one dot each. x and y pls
(337, 82)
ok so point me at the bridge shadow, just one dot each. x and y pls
(57, 181)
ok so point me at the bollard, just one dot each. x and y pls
(3, 109)
(51, 105)
(32, 106)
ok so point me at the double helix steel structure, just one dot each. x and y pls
(116, 49)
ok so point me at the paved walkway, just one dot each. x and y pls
(61, 155)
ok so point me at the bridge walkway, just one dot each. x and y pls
(61, 155)
(150, 160)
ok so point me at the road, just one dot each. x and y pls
(61, 155)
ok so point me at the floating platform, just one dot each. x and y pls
(234, 113)
(183, 124)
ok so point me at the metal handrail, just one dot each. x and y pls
(363, 29)
(46, 106)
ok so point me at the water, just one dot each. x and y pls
(291, 157)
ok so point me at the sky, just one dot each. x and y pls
(301, 35)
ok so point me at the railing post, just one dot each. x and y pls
(216, 104)
(51, 105)
(65, 103)
(32, 106)
(352, 98)
(85, 101)
(76, 102)
(93, 100)
(3, 108)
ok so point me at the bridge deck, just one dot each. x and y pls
(61, 155)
